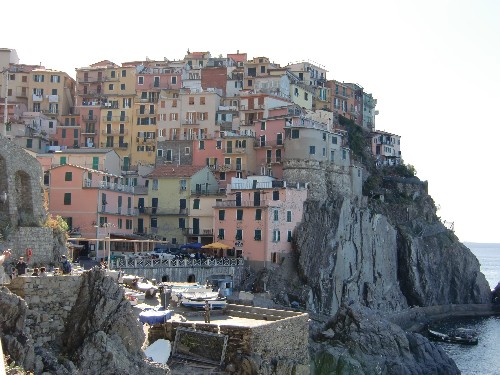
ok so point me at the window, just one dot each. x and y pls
(196, 204)
(113, 74)
(220, 236)
(275, 215)
(122, 87)
(250, 82)
(344, 154)
(183, 184)
(334, 140)
(295, 134)
(128, 224)
(202, 145)
(75, 133)
(140, 80)
(202, 100)
(169, 155)
(262, 69)
(332, 155)
(124, 73)
(182, 223)
(111, 87)
(258, 214)
(239, 234)
(67, 199)
(173, 80)
(155, 184)
(222, 176)
(289, 236)
(239, 214)
(306, 96)
(312, 150)
(263, 125)
(222, 214)
(276, 195)
(153, 223)
(276, 235)
(258, 235)
(218, 145)
(187, 150)
(29, 143)
(191, 100)
(68, 176)
(289, 216)
(120, 223)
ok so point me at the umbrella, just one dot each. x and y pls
(217, 245)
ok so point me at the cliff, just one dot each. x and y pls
(72, 325)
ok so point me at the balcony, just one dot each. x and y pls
(232, 167)
(159, 211)
(108, 186)
(88, 118)
(234, 150)
(145, 140)
(197, 232)
(84, 93)
(114, 118)
(267, 144)
(138, 112)
(109, 105)
(37, 98)
(91, 79)
(190, 121)
(114, 132)
(116, 210)
(234, 203)
(88, 132)
(53, 98)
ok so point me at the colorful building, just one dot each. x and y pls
(258, 218)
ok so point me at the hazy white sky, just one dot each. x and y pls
(433, 65)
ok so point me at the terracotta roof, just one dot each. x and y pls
(175, 171)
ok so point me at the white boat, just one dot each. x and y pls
(199, 303)
(134, 295)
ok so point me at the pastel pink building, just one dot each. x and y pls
(258, 218)
(93, 203)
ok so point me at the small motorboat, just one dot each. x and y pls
(199, 303)
(135, 296)
(458, 336)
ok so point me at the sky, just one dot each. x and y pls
(432, 65)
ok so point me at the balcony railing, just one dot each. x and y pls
(154, 263)
(234, 203)
(116, 210)
(114, 118)
(159, 211)
(37, 98)
(107, 185)
(114, 132)
(197, 232)
(233, 150)
(88, 118)
(259, 143)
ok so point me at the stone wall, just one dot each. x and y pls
(50, 299)
(284, 337)
(183, 274)
(39, 239)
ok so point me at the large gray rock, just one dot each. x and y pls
(16, 340)
(103, 335)
(358, 341)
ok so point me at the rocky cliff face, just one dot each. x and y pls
(101, 334)
(388, 252)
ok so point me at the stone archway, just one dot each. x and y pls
(24, 199)
(165, 279)
(191, 278)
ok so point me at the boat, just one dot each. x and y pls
(458, 336)
(134, 296)
(199, 303)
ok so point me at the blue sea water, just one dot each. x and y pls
(481, 359)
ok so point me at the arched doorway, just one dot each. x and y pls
(23, 197)
(165, 279)
(191, 278)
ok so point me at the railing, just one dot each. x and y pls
(114, 145)
(107, 185)
(88, 118)
(233, 203)
(197, 232)
(154, 263)
(162, 211)
(114, 118)
(116, 210)
(114, 132)
(258, 143)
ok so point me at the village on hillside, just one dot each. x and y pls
(184, 153)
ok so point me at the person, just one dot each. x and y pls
(42, 272)
(5, 255)
(35, 272)
(207, 312)
(66, 265)
(21, 267)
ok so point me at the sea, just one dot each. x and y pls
(481, 359)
